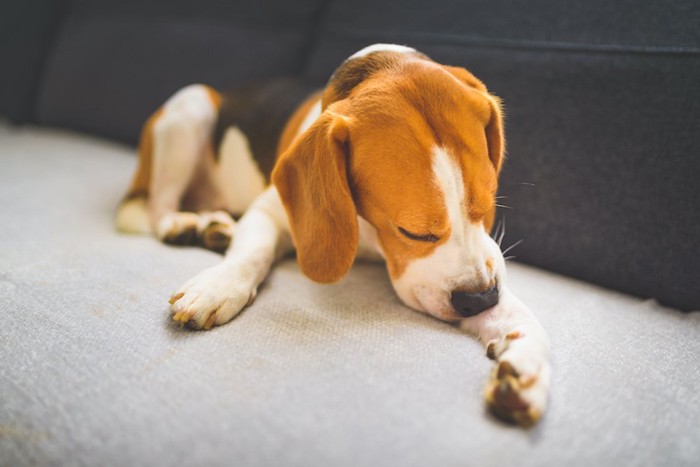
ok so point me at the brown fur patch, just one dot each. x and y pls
(214, 97)
(354, 71)
(141, 181)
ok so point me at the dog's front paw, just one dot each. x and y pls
(212, 297)
(519, 384)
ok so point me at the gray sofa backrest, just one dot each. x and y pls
(113, 62)
(602, 103)
(27, 30)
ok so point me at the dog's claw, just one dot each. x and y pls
(210, 321)
(176, 297)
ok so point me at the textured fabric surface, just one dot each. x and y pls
(601, 103)
(93, 373)
(114, 63)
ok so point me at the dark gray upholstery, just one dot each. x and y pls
(601, 99)
(115, 62)
(27, 31)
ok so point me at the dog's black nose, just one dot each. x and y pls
(470, 304)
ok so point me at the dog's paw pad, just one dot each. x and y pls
(504, 369)
(182, 317)
(217, 237)
(179, 228)
(506, 399)
(189, 320)
(216, 230)
(519, 384)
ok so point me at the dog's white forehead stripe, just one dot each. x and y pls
(382, 48)
(448, 176)
(427, 282)
(311, 117)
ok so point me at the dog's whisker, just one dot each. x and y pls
(503, 233)
(508, 258)
(513, 246)
(496, 231)
(503, 206)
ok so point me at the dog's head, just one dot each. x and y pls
(414, 148)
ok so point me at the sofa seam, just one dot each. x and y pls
(514, 44)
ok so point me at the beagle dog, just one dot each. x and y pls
(397, 158)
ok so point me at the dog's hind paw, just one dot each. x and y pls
(212, 230)
(216, 230)
(178, 228)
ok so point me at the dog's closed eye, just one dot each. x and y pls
(419, 237)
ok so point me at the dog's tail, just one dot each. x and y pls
(132, 212)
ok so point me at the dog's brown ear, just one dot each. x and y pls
(494, 133)
(464, 76)
(311, 178)
(494, 127)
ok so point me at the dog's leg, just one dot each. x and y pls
(216, 295)
(519, 384)
(180, 138)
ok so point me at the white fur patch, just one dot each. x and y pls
(448, 176)
(193, 105)
(132, 217)
(237, 175)
(180, 139)
(381, 48)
